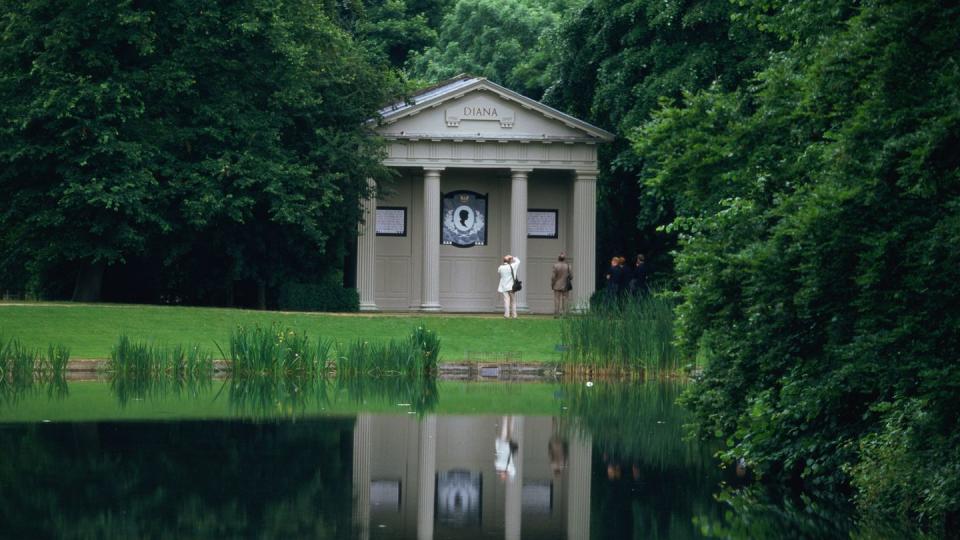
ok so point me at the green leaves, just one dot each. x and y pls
(807, 262)
(234, 129)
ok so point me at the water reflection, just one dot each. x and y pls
(607, 461)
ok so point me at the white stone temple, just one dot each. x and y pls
(482, 171)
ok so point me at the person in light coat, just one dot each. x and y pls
(508, 272)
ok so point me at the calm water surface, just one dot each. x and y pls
(372, 460)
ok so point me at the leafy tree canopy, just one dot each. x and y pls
(503, 40)
(208, 132)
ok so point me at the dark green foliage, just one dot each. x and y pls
(400, 27)
(207, 142)
(819, 210)
(330, 295)
(615, 62)
(507, 41)
(178, 479)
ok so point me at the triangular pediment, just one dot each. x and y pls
(473, 108)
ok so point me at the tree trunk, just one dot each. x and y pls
(229, 289)
(261, 295)
(89, 282)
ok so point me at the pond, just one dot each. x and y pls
(373, 459)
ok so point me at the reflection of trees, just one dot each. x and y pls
(759, 512)
(177, 480)
(642, 421)
(648, 481)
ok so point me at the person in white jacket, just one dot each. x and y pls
(508, 273)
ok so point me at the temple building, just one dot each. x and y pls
(439, 477)
(482, 171)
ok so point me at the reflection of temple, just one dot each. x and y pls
(436, 477)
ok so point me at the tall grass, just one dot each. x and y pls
(139, 370)
(629, 335)
(276, 351)
(414, 356)
(145, 360)
(21, 368)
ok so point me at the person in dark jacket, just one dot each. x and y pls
(614, 278)
(638, 276)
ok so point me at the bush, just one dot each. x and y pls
(326, 296)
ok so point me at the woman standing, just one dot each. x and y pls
(508, 275)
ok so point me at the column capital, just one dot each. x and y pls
(433, 170)
(586, 175)
(520, 171)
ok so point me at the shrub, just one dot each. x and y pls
(328, 295)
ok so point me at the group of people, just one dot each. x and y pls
(561, 281)
(623, 278)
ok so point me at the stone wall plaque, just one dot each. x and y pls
(541, 223)
(391, 221)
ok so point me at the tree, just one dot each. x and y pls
(498, 39)
(819, 206)
(180, 129)
(615, 62)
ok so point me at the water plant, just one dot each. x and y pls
(628, 334)
(415, 356)
(276, 351)
(17, 363)
(22, 368)
(129, 359)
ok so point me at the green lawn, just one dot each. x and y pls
(90, 330)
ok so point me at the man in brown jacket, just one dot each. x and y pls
(561, 281)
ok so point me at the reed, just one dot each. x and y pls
(276, 351)
(141, 360)
(23, 369)
(414, 356)
(17, 364)
(630, 334)
(54, 366)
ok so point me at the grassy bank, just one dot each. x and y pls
(89, 331)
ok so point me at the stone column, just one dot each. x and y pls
(518, 227)
(584, 237)
(367, 254)
(361, 475)
(427, 478)
(578, 486)
(431, 239)
(513, 500)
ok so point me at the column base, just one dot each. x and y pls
(430, 308)
(369, 307)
